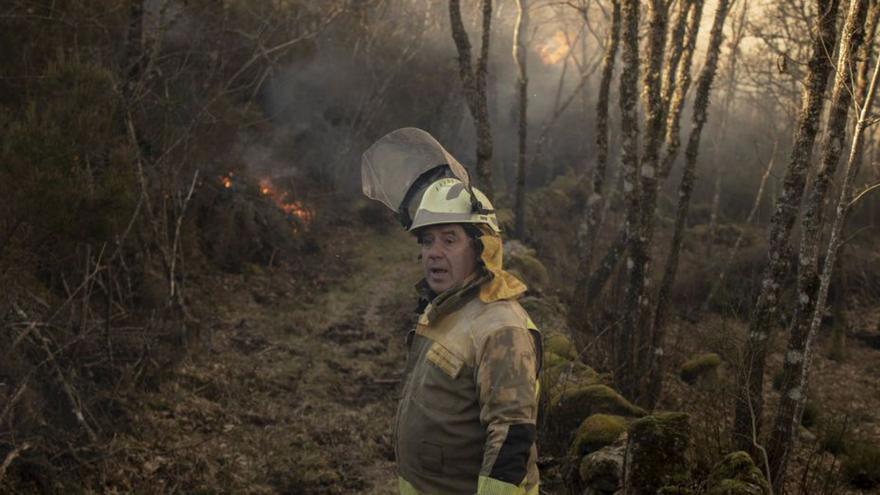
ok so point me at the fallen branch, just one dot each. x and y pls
(10, 458)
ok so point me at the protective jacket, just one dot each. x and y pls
(466, 420)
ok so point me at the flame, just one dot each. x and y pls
(554, 49)
(294, 208)
(226, 180)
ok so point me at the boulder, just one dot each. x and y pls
(700, 368)
(560, 345)
(656, 459)
(561, 374)
(600, 472)
(596, 432)
(737, 474)
(568, 409)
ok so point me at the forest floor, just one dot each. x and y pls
(294, 389)
(292, 386)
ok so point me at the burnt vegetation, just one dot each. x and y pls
(689, 188)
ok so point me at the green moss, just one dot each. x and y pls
(737, 474)
(596, 432)
(560, 344)
(560, 374)
(571, 405)
(861, 466)
(532, 270)
(704, 365)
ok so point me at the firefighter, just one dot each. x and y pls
(466, 419)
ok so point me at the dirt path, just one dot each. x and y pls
(295, 392)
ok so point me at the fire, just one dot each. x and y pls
(554, 49)
(226, 180)
(295, 208)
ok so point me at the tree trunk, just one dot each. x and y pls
(640, 245)
(701, 110)
(598, 183)
(843, 205)
(474, 85)
(629, 79)
(799, 342)
(676, 102)
(520, 56)
(750, 380)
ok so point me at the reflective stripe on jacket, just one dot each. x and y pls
(466, 420)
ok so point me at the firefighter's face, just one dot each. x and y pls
(448, 256)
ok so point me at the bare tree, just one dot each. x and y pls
(678, 93)
(701, 111)
(799, 342)
(474, 85)
(520, 56)
(750, 380)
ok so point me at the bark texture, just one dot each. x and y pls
(474, 85)
(640, 246)
(750, 380)
(629, 79)
(683, 76)
(522, 82)
(800, 340)
(701, 112)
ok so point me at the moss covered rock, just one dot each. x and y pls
(704, 366)
(597, 431)
(656, 454)
(563, 374)
(600, 472)
(568, 409)
(560, 345)
(737, 474)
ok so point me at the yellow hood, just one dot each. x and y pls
(502, 285)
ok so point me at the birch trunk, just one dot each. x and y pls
(520, 56)
(750, 381)
(474, 85)
(843, 205)
(799, 341)
(676, 49)
(634, 320)
(676, 102)
(629, 79)
(594, 202)
(701, 110)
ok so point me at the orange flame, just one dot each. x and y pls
(227, 180)
(554, 49)
(295, 208)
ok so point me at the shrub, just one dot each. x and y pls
(700, 366)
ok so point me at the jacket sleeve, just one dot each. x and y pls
(506, 381)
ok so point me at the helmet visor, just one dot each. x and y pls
(391, 166)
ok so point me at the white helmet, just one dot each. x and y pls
(413, 175)
(448, 201)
